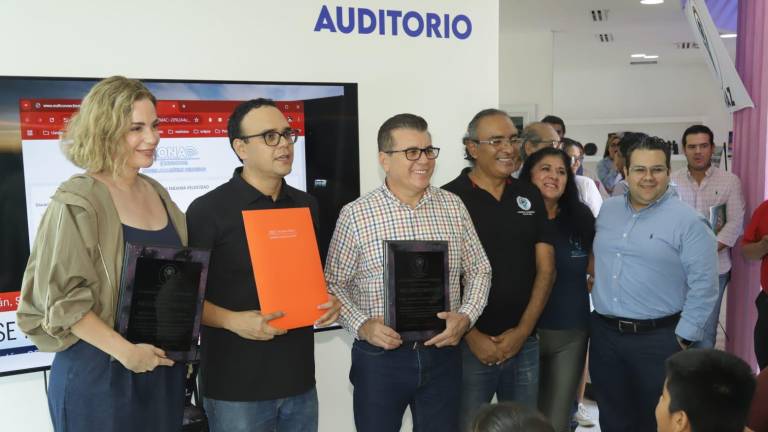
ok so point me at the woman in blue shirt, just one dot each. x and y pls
(606, 169)
(563, 324)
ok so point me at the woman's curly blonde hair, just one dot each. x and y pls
(94, 136)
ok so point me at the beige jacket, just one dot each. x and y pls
(76, 261)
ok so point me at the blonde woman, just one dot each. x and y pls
(70, 286)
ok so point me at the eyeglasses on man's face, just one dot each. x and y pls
(498, 141)
(414, 153)
(272, 138)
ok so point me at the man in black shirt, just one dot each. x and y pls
(501, 352)
(253, 376)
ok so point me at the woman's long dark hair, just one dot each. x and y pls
(576, 216)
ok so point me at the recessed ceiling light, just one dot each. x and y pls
(728, 35)
(651, 2)
(651, 57)
(637, 55)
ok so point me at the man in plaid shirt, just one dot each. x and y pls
(387, 374)
(704, 186)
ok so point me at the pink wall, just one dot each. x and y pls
(749, 163)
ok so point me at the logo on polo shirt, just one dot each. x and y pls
(524, 203)
(525, 206)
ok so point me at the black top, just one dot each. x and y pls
(568, 305)
(509, 230)
(233, 368)
(163, 237)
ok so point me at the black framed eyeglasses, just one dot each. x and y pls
(272, 138)
(498, 141)
(414, 153)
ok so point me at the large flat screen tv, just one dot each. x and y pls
(194, 157)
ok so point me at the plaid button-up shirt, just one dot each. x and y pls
(354, 268)
(717, 187)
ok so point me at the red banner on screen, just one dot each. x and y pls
(43, 119)
(9, 301)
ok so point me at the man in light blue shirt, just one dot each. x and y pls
(655, 287)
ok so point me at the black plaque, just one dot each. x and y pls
(161, 298)
(416, 286)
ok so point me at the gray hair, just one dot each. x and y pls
(472, 126)
(529, 135)
(471, 133)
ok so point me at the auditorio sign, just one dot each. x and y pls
(389, 22)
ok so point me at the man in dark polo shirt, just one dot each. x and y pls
(254, 376)
(501, 352)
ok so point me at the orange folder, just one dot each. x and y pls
(286, 265)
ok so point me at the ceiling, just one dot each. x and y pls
(636, 28)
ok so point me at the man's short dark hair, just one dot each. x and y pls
(399, 121)
(510, 417)
(632, 141)
(235, 123)
(629, 139)
(712, 387)
(552, 119)
(567, 142)
(472, 127)
(697, 129)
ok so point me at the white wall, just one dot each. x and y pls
(659, 99)
(597, 96)
(445, 80)
(594, 96)
(526, 72)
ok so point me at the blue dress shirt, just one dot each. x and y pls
(655, 262)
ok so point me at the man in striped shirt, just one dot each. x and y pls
(387, 374)
(704, 187)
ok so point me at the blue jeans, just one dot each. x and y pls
(88, 392)
(627, 371)
(516, 379)
(291, 414)
(386, 382)
(710, 328)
